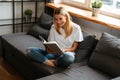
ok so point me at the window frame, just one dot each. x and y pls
(86, 6)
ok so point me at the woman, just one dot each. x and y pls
(67, 34)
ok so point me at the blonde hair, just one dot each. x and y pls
(68, 27)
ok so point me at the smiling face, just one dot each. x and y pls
(60, 20)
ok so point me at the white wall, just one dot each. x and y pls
(5, 11)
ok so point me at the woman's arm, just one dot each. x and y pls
(51, 34)
(73, 48)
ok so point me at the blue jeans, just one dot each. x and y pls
(41, 55)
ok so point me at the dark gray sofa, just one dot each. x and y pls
(92, 62)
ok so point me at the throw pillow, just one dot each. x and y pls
(45, 21)
(37, 30)
(42, 26)
(106, 56)
(85, 47)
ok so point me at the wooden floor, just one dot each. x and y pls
(7, 72)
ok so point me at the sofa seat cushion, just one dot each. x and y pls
(21, 41)
(79, 73)
(106, 56)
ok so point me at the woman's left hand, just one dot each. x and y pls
(72, 49)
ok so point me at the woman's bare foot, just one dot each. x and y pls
(50, 63)
(53, 61)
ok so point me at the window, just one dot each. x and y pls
(77, 3)
(110, 7)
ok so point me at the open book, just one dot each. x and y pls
(52, 45)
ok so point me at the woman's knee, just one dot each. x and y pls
(35, 50)
(66, 59)
(36, 55)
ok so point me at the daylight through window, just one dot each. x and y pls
(110, 7)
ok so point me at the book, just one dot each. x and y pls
(52, 45)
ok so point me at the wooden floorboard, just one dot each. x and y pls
(7, 72)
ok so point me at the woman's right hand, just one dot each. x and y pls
(64, 50)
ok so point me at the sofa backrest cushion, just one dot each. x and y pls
(106, 56)
(85, 47)
(45, 21)
(42, 26)
(38, 30)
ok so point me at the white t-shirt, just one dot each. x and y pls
(66, 42)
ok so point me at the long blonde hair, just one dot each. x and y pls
(68, 27)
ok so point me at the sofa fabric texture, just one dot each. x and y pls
(80, 73)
